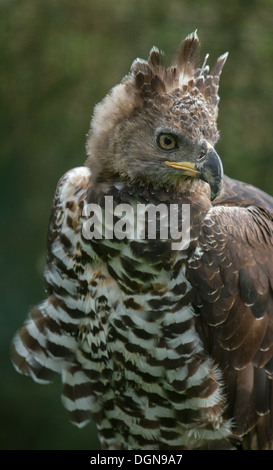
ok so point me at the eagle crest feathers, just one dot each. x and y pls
(155, 77)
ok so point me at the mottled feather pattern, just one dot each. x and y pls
(162, 348)
(156, 81)
(124, 357)
(234, 296)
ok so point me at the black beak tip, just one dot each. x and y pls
(211, 171)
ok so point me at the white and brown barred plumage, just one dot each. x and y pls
(164, 349)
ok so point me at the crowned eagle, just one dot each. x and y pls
(163, 348)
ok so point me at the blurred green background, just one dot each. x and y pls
(58, 58)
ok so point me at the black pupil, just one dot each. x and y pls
(168, 141)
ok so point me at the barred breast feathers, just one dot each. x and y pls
(125, 361)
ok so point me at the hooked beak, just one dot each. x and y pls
(209, 168)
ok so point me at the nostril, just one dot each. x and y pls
(202, 154)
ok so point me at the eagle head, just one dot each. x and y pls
(159, 125)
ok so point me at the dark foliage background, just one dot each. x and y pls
(58, 58)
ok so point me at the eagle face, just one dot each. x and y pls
(159, 124)
(163, 155)
(162, 348)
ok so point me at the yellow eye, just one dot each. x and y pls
(167, 141)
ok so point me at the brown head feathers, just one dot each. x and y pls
(153, 76)
(184, 95)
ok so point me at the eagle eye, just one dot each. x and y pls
(167, 142)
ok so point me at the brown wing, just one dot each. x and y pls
(237, 193)
(232, 275)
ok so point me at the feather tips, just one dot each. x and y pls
(153, 76)
(187, 58)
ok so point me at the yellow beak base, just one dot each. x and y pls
(187, 168)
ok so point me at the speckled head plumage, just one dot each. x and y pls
(182, 98)
(188, 93)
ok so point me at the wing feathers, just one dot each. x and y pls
(48, 342)
(30, 348)
(238, 254)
